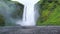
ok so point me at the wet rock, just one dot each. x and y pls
(34, 30)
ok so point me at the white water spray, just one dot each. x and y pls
(28, 14)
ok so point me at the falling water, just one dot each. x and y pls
(28, 14)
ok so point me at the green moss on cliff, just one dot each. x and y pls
(49, 13)
(2, 21)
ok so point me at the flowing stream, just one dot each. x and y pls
(29, 13)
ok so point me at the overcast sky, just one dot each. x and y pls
(26, 1)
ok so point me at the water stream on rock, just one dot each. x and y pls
(28, 14)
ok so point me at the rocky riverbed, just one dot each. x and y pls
(30, 30)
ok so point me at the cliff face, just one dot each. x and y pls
(49, 12)
(9, 12)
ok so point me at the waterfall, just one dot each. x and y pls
(28, 14)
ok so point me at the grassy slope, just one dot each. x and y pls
(50, 13)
